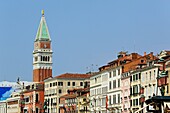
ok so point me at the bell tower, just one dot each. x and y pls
(42, 53)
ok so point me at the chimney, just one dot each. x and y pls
(144, 53)
(151, 55)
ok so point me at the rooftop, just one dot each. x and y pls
(73, 76)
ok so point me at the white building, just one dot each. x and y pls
(114, 89)
(59, 85)
(3, 107)
(149, 82)
(13, 103)
(98, 92)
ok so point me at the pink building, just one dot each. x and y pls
(125, 92)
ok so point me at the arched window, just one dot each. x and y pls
(48, 58)
(41, 58)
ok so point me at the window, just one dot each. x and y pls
(110, 74)
(27, 99)
(114, 83)
(104, 90)
(167, 90)
(136, 76)
(110, 98)
(130, 90)
(41, 58)
(59, 91)
(36, 110)
(81, 83)
(135, 89)
(139, 76)
(99, 91)
(110, 84)
(114, 99)
(73, 84)
(133, 102)
(36, 99)
(118, 82)
(136, 102)
(50, 84)
(48, 58)
(103, 101)
(130, 102)
(95, 80)
(150, 75)
(54, 84)
(36, 58)
(60, 83)
(118, 71)
(118, 98)
(114, 73)
(68, 83)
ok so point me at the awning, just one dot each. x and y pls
(158, 99)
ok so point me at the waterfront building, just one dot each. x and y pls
(98, 92)
(33, 97)
(135, 80)
(125, 86)
(75, 101)
(105, 86)
(59, 85)
(3, 106)
(149, 86)
(13, 103)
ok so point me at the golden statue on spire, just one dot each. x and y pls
(42, 12)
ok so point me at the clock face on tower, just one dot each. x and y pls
(45, 46)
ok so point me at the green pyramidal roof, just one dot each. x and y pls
(42, 33)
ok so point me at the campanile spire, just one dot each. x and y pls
(42, 12)
(42, 53)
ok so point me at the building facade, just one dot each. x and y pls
(125, 81)
(59, 85)
(114, 90)
(98, 92)
(13, 103)
(149, 84)
(3, 106)
(33, 98)
(135, 91)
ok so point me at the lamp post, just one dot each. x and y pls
(22, 101)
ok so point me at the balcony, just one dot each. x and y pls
(162, 78)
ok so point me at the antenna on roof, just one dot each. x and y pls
(134, 46)
(91, 68)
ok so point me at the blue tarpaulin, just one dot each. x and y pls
(5, 92)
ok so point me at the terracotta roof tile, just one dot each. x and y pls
(74, 75)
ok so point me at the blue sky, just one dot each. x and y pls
(83, 32)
